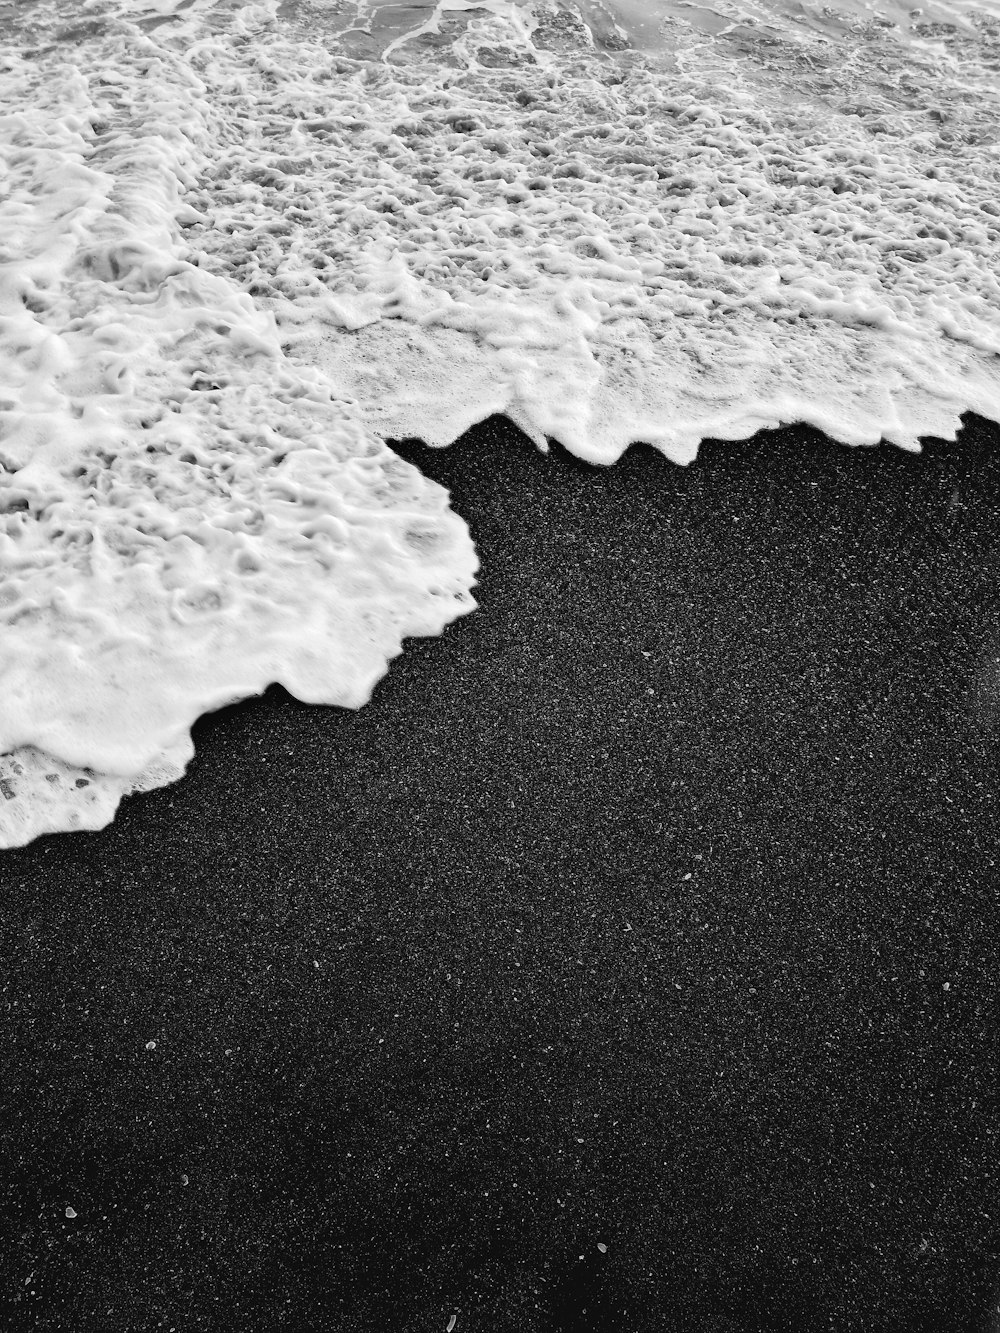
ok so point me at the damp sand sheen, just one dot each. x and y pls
(244, 245)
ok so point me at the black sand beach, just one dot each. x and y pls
(629, 962)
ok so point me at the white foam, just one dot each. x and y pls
(185, 518)
(605, 254)
(236, 257)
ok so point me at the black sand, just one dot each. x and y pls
(653, 907)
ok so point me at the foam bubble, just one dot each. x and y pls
(607, 255)
(185, 517)
(247, 243)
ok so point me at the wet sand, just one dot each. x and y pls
(628, 962)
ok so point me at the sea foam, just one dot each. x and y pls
(246, 244)
(184, 516)
(609, 251)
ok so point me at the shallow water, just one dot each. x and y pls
(245, 244)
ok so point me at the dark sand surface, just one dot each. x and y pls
(653, 907)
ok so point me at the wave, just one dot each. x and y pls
(245, 245)
(185, 517)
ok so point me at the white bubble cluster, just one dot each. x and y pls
(245, 244)
(603, 252)
(185, 518)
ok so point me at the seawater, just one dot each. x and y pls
(242, 245)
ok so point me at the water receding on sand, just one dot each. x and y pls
(244, 244)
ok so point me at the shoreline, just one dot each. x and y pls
(652, 906)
